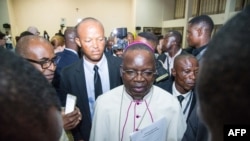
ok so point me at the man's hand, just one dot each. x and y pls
(70, 120)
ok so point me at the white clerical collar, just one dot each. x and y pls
(175, 92)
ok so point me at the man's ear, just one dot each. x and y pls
(200, 31)
(77, 40)
(173, 72)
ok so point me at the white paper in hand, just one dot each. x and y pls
(154, 132)
(70, 103)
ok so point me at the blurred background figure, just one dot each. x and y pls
(2, 40)
(109, 44)
(33, 30)
(117, 51)
(58, 42)
(46, 35)
(68, 56)
(130, 37)
(8, 39)
(160, 44)
(120, 41)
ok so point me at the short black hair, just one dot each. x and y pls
(25, 33)
(205, 19)
(26, 98)
(223, 80)
(149, 36)
(183, 56)
(177, 36)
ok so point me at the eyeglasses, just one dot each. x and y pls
(46, 63)
(133, 73)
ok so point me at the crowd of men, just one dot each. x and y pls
(136, 94)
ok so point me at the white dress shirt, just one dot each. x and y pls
(169, 61)
(89, 75)
(186, 101)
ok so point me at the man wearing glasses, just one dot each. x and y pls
(40, 53)
(137, 104)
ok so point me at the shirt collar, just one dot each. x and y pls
(196, 51)
(177, 93)
(177, 53)
(100, 64)
(69, 49)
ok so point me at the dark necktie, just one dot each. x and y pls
(180, 98)
(97, 82)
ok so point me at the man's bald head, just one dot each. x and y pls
(87, 21)
(24, 44)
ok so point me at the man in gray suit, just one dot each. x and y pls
(80, 78)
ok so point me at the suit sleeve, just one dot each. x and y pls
(63, 89)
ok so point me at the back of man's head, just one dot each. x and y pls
(70, 35)
(223, 81)
(28, 102)
(150, 38)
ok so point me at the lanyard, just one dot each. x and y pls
(188, 103)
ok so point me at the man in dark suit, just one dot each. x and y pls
(40, 53)
(199, 34)
(68, 56)
(196, 130)
(78, 78)
(171, 48)
(182, 82)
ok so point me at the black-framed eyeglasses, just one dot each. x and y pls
(132, 73)
(45, 64)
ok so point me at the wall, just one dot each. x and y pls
(3, 14)
(149, 13)
(168, 9)
(218, 19)
(47, 14)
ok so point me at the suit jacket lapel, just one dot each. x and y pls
(193, 103)
(112, 71)
(79, 76)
